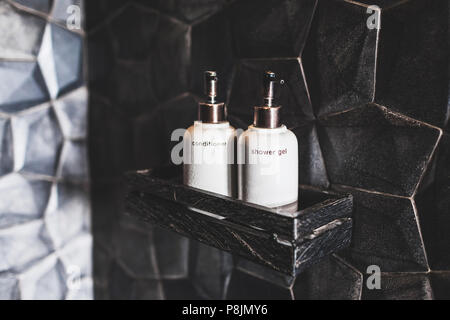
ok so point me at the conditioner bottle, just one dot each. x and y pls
(208, 145)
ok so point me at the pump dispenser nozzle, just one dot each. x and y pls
(269, 80)
(267, 115)
(210, 85)
(211, 111)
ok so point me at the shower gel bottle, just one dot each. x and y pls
(208, 146)
(268, 156)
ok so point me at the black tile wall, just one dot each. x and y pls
(369, 107)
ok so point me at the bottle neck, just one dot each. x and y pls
(211, 112)
(267, 117)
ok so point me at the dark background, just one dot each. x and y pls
(370, 109)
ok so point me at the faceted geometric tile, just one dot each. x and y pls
(172, 254)
(9, 287)
(121, 285)
(187, 11)
(97, 11)
(110, 151)
(72, 113)
(76, 256)
(440, 281)
(26, 200)
(45, 280)
(181, 289)
(159, 63)
(375, 149)
(331, 279)
(170, 57)
(102, 261)
(211, 270)
(270, 29)
(25, 86)
(433, 206)
(62, 64)
(61, 12)
(246, 287)
(100, 58)
(83, 290)
(400, 287)
(412, 72)
(105, 204)
(6, 147)
(133, 251)
(21, 33)
(148, 290)
(73, 164)
(186, 110)
(43, 6)
(263, 273)
(142, 25)
(311, 164)
(385, 233)
(339, 57)
(23, 244)
(212, 50)
(47, 63)
(130, 87)
(66, 211)
(37, 141)
(292, 95)
(153, 131)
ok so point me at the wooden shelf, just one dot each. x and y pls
(284, 241)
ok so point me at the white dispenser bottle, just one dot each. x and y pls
(268, 157)
(209, 144)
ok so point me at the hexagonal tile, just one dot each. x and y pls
(46, 280)
(73, 163)
(27, 199)
(68, 205)
(331, 279)
(401, 286)
(25, 87)
(385, 233)
(37, 141)
(72, 110)
(412, 75)
(22, 245)
(375, 149)
(21, 32)
(339, 57)
(270, 29)
(61, 60)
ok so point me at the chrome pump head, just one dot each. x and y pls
(211, 111)
(210, 85)
(269, 81)
(267, 115)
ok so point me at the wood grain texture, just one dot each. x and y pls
(286, 242)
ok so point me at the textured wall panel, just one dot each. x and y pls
(369, 107)
(45, 232)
